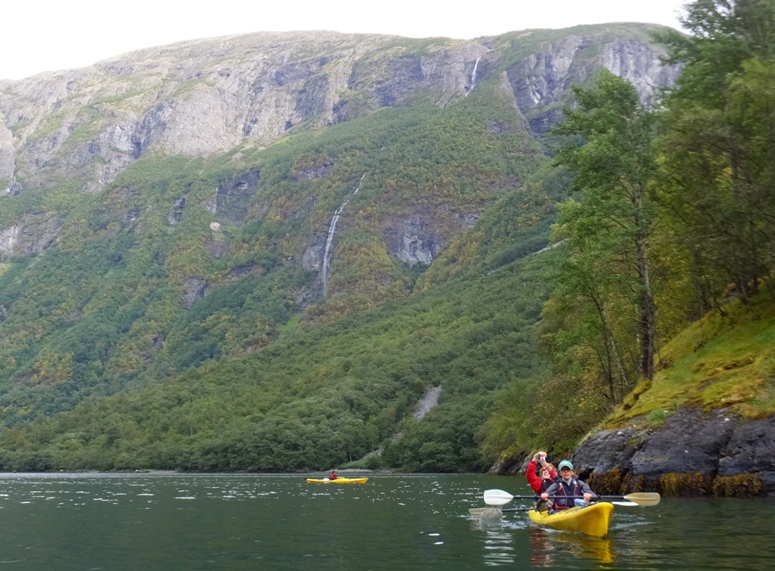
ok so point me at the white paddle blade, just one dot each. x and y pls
(644, 498)
(497, 497)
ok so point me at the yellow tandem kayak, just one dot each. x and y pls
(591, 520)
(337, 481)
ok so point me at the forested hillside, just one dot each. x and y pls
(231, 238)
(671, 221)
(520, 222)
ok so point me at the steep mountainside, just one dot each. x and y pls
(189, 205)
(209, 96)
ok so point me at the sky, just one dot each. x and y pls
(47, 35)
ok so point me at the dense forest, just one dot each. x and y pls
(671, 217)
(588, 249)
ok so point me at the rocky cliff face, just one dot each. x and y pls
(82, 128)
(209, 96)
(32, 235)
(542, 80)
(702, 449)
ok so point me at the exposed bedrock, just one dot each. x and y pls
(705, 448)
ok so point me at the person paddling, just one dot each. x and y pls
(332, 475)
(567, 485)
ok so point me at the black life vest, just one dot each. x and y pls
(545, 484)
(570, 489)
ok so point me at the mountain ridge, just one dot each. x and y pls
(175, 103)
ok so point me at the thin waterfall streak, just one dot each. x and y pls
(473, 76)
(330, 237)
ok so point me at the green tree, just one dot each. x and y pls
(607, 232)
(717, 145)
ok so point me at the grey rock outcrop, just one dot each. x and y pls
(7, 154)
(640, 64)
(609, 449)
(543, 79)
(234, 194)
(195, 290)
(689, 442)
(429, 400)
(418, 242)
(33, 235)
(209, 96)
(751, 450)
(313, 256)
(713, 444)
(204, 97)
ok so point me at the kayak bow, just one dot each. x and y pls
(591, 520)
(337, 481)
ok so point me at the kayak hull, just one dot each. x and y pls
(590, 520)
(337, 481)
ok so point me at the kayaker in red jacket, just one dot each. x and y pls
(567, 485)
(540, 474)
(332, 475)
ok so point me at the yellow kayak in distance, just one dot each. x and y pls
(337, 481)
(591, 520)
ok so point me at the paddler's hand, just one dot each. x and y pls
(588, 497)
(544, 496)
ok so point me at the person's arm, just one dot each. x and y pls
(587, 491)
(550, 491)
(532, 478)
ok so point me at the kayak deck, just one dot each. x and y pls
(591, 520)
(337, 481)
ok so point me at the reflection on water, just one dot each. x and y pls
(547, 545)
(498, 537)
(498, 548)
(696, 533)
(396, 522)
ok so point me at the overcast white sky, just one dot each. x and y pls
(40, 35)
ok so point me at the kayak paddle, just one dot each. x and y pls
(500, 497)
(477, 512)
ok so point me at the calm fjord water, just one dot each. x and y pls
(176, 522)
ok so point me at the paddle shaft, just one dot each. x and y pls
(478, 512)
(594, 497)
(501, 497)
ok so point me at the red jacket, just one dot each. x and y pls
(535, 481)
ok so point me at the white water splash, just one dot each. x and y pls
(473, 76)
(330, 238)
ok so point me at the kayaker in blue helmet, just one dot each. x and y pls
(567, 485)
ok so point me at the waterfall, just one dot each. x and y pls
(330, 238)
(473, 77)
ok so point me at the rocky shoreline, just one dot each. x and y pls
(693, 453)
